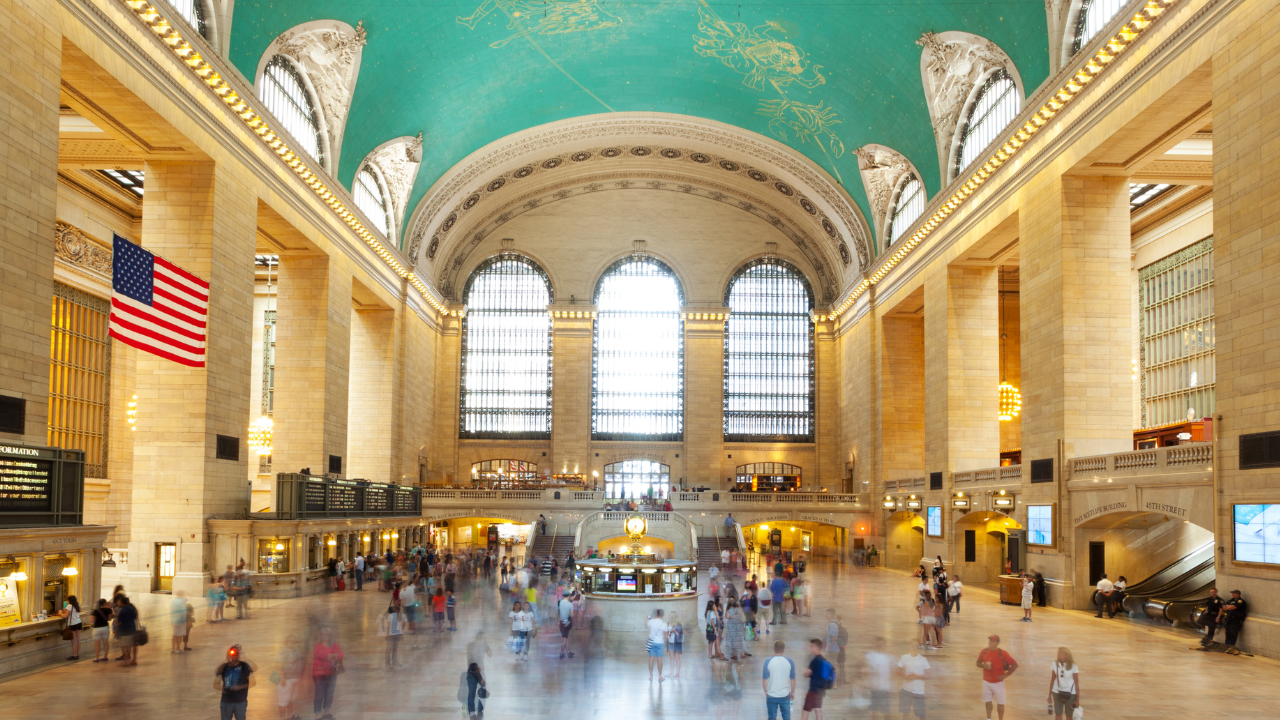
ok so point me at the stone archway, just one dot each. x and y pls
(903, 540)
(986, 534)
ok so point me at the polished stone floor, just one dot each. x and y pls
(1127, 671)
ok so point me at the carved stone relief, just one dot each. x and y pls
(398, 160)
(72, 247)
(881, 169)
(950, 66)
(330, 52)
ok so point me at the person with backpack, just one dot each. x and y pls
(822, 675)
(996, 665)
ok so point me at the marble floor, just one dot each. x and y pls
(1127, 671)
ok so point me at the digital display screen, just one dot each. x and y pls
(1257, 533)
(1039, 524)
(626, 583)
(933, 520)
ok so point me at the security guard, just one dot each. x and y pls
(1235, 612)
(1209, 619)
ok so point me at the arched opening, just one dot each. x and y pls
(632, 479)
(904, 540)
(982, 545)
(994, 104)
(285, 94)
(371, 198)
(638, 353)
(908, 203)
(506, 351)
(1094, 15)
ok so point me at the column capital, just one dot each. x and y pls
(705, 321)
(567, 319)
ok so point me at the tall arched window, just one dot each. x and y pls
(633, 478)
(193, 12)
(638, 379)
(1094, 16)
(995, 105)
(506, 351)
(369, 198)
(285, 96)
(907, 208)
(768, 355)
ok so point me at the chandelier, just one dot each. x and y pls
(1010, 396)
(1010, 402)
(260, 436)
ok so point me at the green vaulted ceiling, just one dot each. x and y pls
(824, 78)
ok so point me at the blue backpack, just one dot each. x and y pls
(826, 675)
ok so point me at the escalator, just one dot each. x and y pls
(1174, 593)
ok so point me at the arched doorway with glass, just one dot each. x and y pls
(637, 479)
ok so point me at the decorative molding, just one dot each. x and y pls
(329, 51)
(398, 160)
(447, 279)
(881, 168)
(450, 193)
(72, 246)
(951, 65)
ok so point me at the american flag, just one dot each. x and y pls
(157, 306)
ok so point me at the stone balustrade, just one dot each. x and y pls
(1002, 475)
(1192, 458)
(681, 500)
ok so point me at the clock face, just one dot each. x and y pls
(635, 526)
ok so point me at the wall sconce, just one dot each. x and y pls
(70, 571)
(279, 547)
(366, 538)
(332, 542)
(132, 413)
(395, 535)
(889, 503)
(913, 504)
(386, 536)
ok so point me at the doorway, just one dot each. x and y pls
(970, 546)
(166, 566)
(1097, 561)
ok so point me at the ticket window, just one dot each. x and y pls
(273, 556)
(166, 566)
(55, 593)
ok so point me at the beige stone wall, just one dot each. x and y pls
(1246, 181)
(571, 393)
(370, 417)
(1011, 367)
(29, 90)
(902, 399)
(704, 402)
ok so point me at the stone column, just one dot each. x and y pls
(1076, 324)
(1246, 193)
(829, 472)
(371, 428)
(901, 396)
(961, 369)
(571, 328)
(29, 99)
(704, 396)
(201, 217)
(313, 346)
(448, 385)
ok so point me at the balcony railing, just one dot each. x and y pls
(911, 483)
(987, 476)
(680, 499)
(306, 497)
(1193, 457)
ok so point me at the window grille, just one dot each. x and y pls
(768, 355)
(1094, 16)
(638, 353)
(994, 107)
(504, 473)
(906, 211)
(635, 478)
(1176, 321)
(369, 198)
(284, 94)
(79, 376)
(193, 12)
(506, 351)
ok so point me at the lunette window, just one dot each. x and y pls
(638, 353)
(370, 200)
(284, 94)
(506, 351)
(193, 12)
(768, 355)
(635, 478)
(996, 104)
(1094, 16)
(910, 205)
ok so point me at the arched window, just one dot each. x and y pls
(768, 355)
(995, 105)
(370, 200)
(193, 12)
(907, 209)
(638, 360)
(634, 478)
(1094, 16)
(506, 351)
(285, 96)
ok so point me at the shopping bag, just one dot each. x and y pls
(1078, 713)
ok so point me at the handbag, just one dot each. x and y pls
(482, 692)
(67, 633)
(141, 637)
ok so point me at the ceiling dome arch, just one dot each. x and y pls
(638, 151)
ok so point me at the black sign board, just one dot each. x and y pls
(40, 486)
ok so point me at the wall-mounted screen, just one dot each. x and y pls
(1257, 533)
(1039, 524)
(626, 583)
(933, 520)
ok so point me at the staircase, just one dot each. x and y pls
(709, 551)
(558, 546)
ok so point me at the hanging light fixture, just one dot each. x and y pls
(1010, 396)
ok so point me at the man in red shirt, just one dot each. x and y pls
(996, 665)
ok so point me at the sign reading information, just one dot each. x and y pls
(25, 480)
(40, 486)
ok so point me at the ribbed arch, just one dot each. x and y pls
(506, 351)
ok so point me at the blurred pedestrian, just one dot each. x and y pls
(234, 678)
(326, 665)
(476, 691)
(391, 626)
